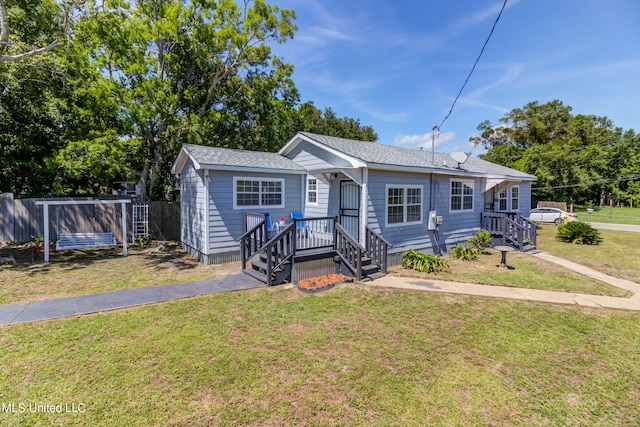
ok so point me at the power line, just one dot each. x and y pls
(474, 65)
(606, 181)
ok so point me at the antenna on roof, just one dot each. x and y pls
(433, 143)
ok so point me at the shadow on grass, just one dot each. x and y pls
(164, 256)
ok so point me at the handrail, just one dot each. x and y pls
(349, 251)
(279, 250)
(377, 248)
(513, 227)
(252, 241)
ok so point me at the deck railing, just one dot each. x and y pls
(314, 233)
(255, 236)
(377, 248)
(349, 251)
(304, 234)
(512, 227)
(280, 250)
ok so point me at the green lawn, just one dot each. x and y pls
(613, 215)
(99, 270)
(618, 255)
(351, 356)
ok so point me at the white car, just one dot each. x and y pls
(553, 215)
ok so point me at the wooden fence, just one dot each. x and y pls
(21, 220)
(557, 205)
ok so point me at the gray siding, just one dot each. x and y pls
(322, 208)
(525, 199)
(311, 157)
(456, 226)
(192, 210)
(226, 224)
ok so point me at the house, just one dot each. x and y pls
(409, 198)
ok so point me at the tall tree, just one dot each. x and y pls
(39, 33)
(311, 119)
(31, 86)
(177, 63)
(571, 155)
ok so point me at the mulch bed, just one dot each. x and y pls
(319, 284)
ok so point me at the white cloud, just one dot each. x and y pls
(480, 16)
(330, 33)
(424, 140)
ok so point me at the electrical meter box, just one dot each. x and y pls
(433, 218)
(439, 220)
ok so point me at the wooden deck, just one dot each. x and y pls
(274, 258)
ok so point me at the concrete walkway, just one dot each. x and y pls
(86, 304)
(632, 303)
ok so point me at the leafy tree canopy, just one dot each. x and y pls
(576, 158)
(111, 92)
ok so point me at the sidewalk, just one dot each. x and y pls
(86, 304)
(555, 297)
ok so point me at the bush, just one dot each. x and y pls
(421, 261)
(579, 233)
(482, 240)
(466, 253)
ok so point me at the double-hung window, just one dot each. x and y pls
(515, 198)
(503, 200)
(461, 196)
(509, 199)
(312, 191)
(404, 204)
(258, 192)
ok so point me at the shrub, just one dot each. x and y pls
(466, 253)
(421, 261)
(578, 232)
(482, 240)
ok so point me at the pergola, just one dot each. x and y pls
(46, 203)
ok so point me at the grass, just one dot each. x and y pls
(526, 272)
(612, 215)
(95, 271)
(351, 356)
(618, 255)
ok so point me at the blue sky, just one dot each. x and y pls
(398, 65)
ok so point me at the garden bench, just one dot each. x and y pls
(84, 240)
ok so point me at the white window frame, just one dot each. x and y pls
(404, 205)
(309, 191)
(504, 193)
(508, 192)
(517, 198)
(464, 182)
(261, 180)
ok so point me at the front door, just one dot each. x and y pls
(350, 208)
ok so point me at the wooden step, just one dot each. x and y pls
(260, 265)
(369, 269)
(255, 274)
(375, 276)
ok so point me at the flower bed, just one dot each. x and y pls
(320, 283)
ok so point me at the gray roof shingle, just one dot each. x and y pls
(383, 154)
(215, 156)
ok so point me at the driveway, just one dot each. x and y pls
(620, 227)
